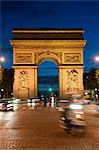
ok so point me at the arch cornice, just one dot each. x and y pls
(48, 43)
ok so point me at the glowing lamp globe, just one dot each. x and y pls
(2, 59)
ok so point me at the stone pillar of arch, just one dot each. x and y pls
(71, 80)
(25, 82)
(31, 47)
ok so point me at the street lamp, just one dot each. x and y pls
(97, 58)
(2, 59)
(96, 61)
(97, 77)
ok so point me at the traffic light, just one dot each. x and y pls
(50, 89)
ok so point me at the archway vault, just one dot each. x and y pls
(48, 56)
(31, 47)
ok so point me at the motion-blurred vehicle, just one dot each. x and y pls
(85, 101)
(81, 100)
(34, 100)
(97, 106)
(32, 103)
(72, 118)
(16, 100)
(6, 105)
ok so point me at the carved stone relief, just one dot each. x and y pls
(47, 44)
(72, 80)
(72, 57)
(48, 54)
(23, 80)
(59, 55)
(23, 57)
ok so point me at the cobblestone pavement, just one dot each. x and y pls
(38, 129)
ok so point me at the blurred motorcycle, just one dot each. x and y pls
(72, 119)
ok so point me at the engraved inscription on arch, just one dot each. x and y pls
(72, 58)
(23, 57)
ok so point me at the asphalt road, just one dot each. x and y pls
(29, 128)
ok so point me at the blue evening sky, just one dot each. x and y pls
(51, 14)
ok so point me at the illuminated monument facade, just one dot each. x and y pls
(32, 46)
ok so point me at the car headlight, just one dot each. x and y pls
(9, 105)
(33, 101)
(75, 106)
(29, 100)
(79, 116)
(1, 104)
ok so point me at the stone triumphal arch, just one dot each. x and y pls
(32, 46)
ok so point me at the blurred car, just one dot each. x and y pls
(34, 100)
(97, 106)
(16, 100)
(6, 105)
(62, 104)
(32, 103)
(85, 101)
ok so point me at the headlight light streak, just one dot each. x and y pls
(75, 106)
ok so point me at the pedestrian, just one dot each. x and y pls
(52, 101)
(45, 101)
(56, 101)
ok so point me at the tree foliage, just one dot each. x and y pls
(90, 80)
(8, 79)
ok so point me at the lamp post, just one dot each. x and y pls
(97, 77)
(2, 60)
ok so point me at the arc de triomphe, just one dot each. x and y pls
(32, 46)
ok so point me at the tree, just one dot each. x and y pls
(97, 76)
(8, 79)
(86, 81)
(90, 80)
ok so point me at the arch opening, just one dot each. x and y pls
(48, 78)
